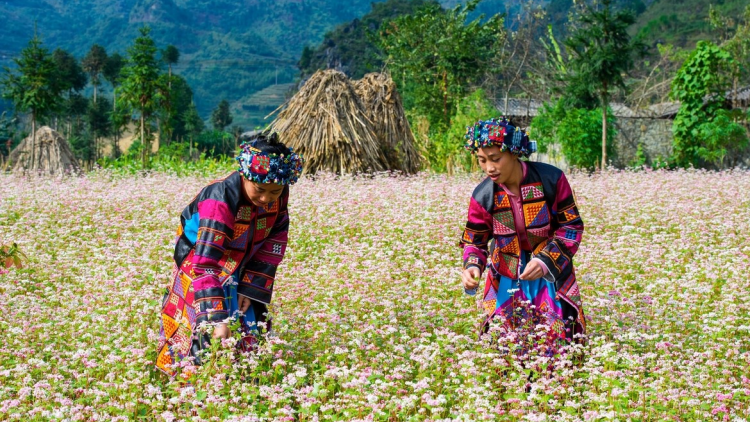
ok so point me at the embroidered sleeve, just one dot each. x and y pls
(216, 224)
(260, 272)
(557, 256)
(476, 236)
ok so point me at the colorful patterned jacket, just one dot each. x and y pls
(222, 232)
(553, 226)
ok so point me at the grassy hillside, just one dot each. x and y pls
(683, 22)
(252, 109)
(230, 49)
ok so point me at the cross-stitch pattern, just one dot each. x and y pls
(509, 245)
(536, 214)
(502, 200)
(241, 236)
(503, 223)
(530, 192)
(245, 213)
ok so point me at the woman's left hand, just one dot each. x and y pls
(244, 303)
(533, 271)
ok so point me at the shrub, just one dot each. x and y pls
(577, 131)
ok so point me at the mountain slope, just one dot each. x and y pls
(683, 22)
(228, 48)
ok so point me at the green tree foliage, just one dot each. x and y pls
(221, 116)
(170, 55)
(736, 42)
(112, 72)
(577, 132)
(141, 89)
(78, 134)
(8, 130)
(193, 122)
(70, 75)
(76, 106)
(174, 110)
(352, 47)
(703, 132)
(99, 123)
(71, 79)
(445, 150)
(216, 143)
(683, 22)
(93, 63)
(724, 138)
(33, 86)
(602, 53)
(434, 56)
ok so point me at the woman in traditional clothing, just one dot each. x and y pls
(231, 238)
(527, 213)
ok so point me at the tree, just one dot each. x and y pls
(70, 79)
(180, 99)
(700, 86)
(33, 86)
(141, 90)
(70, 76)
(7, 133)
(94, 63)
(738, 45)
(602, 53)
(111, 72)
(99, 123)
(517, 67)
(434, 56)
(76, 107)
(575, 130)
(352, 47)
(221, 116)
(237, 132)
(170, 55)
(193, 124)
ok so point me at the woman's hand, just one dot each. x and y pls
(533, 271)
(244, 303)
(221, 331)
(470, 278)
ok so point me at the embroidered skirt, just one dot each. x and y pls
(522, 305)
(178, 338)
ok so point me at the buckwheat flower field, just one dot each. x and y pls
(370, 322)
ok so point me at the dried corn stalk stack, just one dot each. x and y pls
(326, 124)
(52, 154)
(385, 109)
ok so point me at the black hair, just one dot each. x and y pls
(266, 142)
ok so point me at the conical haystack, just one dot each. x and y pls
(326, 123)
(386, 111)
(52, 156)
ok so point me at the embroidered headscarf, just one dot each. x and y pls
(256, 164)
(500, 133)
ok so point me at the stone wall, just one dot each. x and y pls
(654, 135)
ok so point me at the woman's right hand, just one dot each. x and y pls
(221, 331)
(470, 278)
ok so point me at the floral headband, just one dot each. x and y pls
(261, 167)
(500, 133)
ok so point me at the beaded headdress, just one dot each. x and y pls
(262, 167)
(500, 133)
